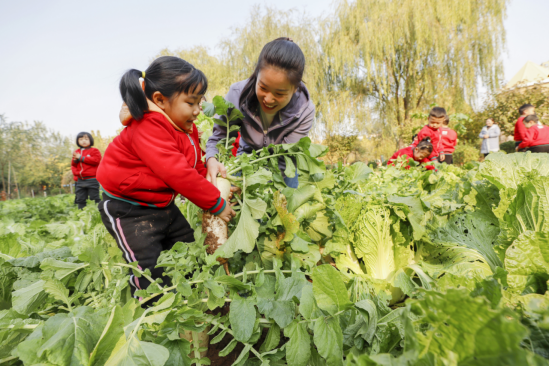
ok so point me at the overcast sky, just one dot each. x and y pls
(60, 61)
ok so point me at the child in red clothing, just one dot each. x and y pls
(156, 157)
(420, 153)
(84, 166)
(535, 138)
(519, 129)
(432, 130)
(448, 142)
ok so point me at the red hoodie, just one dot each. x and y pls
(150, 162)
(86, 166)
(520, 130)
(408, 151)
(435, 138)
(448, 140)
(535, 135)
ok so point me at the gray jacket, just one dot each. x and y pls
(491, 144)
(289, 125)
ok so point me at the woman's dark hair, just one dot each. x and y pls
(532, 118)
(438, 112)
(283, 54)
(425, 144)
(84, 133)
(168, 75)
(524, 107)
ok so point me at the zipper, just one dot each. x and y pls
(194, 148)
(81, 166)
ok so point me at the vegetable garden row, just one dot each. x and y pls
(355, 267)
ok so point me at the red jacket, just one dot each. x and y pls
(520, 130)
(150, 162)
(448, 140)
(535, 135)
(86, 167)
(435, 137)
(408, 151)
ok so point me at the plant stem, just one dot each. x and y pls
(196, 346)
(237, 169)
(7, 359)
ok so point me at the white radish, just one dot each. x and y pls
(215, 227)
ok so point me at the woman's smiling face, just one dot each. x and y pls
(273, 89)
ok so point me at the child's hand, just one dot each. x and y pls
(227, 213)
(233, 190)
(442, 157)
(213, 167)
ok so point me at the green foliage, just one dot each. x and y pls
(460, 255)
(465, 153)
(508, 147)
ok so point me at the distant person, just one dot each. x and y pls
(520, 130)
(490, 135)
(448, 143)
(84, 166)
(419, 154)
(535, 138)
(432, 130)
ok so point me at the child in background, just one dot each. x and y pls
(448, 143)
(432, 130)
(535, 138)
(519, 129)
(420, 153)
(155, 158)
(490, 134)
(84, 166)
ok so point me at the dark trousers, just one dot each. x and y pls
(538, 149)
(85, 188)
(142, 233)
(448, 159)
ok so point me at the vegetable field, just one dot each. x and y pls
(355, 267)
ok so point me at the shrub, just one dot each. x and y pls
(465, 153)
(508, 146)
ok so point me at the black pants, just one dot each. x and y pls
(85, 188)
(448, 159)
(142, 233)
(538, 149)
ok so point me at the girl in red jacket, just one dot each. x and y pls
(420, 153)
(535, 137)
(432, 130)
(156, 157)
(84, 167)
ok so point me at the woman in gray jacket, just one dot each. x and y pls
(490, 135)
(275, 104)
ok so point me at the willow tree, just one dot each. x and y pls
(403, 55)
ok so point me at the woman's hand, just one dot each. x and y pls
(227, 213)
(485, 136)
(214, 167)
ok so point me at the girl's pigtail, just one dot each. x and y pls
(132, 94)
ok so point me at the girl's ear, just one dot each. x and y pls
(160, 100)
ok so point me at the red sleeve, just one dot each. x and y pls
(158, 150)
(393, 157)
(93, 159)
(74, 167)
(520, 130)
(529, 137)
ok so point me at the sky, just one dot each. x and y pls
(61, 61)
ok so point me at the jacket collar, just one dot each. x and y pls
(125, 116)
